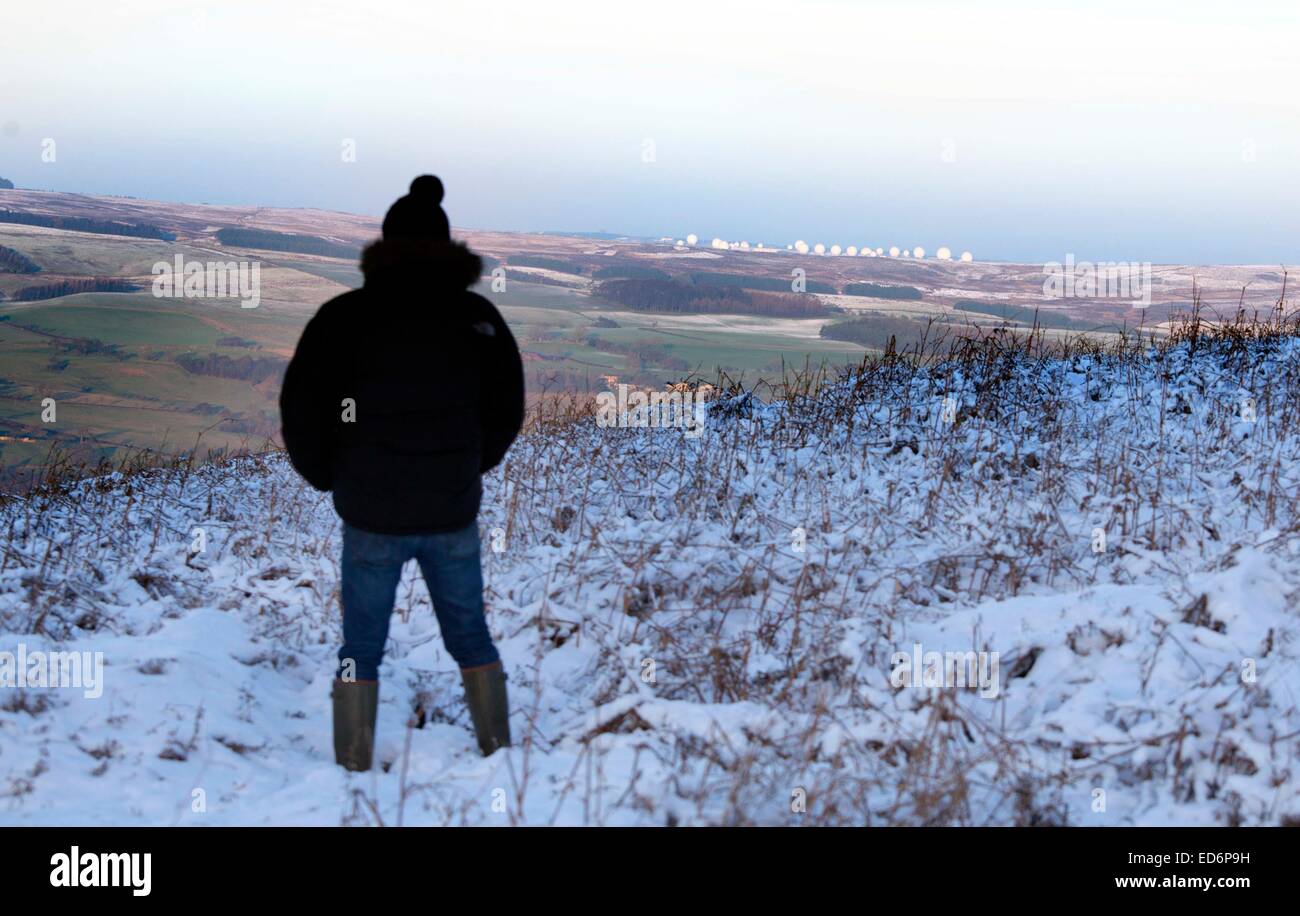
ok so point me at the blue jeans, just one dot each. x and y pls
(372, 566)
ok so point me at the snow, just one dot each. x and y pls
(674, 658)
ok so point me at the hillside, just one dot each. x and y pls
(675, 657)
(79, 321)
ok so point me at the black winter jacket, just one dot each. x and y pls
(403, 392)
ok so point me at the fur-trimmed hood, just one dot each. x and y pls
(435, 263)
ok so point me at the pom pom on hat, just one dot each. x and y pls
(418, 214)
(427, 187)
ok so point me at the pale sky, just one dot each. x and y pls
(1162, 131)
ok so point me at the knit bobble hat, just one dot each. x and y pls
(419, 215)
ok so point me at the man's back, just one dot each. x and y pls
(403, 392)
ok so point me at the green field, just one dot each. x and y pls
(108, 360)
(115, 318)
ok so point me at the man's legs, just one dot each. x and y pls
(371, 567)
(450, 564)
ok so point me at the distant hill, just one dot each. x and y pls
(597, 236)
(6, 184)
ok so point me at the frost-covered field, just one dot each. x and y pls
(1121, 529)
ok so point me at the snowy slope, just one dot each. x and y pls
(675, 658)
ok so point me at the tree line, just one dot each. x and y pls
(532, 260)
(770, 284)
(253, 369)
(879, 291)
(630, 272)
(875, 330)
(671, 296)
(84, 224)
(285, 241)
(644, 354)
(72, 286)
(15, 262)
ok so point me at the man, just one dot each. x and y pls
(400, 395)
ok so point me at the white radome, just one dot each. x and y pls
(944, 253)
(835, 250)
(819, 248)
(851, 251)
(967, 257)
(893, 251)
(692, 239)
(801, 246)
(918, 252)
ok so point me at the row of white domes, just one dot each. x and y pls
(943, 254)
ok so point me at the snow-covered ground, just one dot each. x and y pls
(703, 630)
